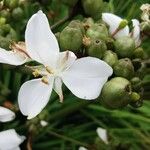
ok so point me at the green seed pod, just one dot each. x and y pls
(2, 33)
(134, 96)
(136, 100)
(6, 28)
(88, 22)
(110, 43)
(138, 53)
(4, 42)
(97, 31)
(137, 64)
(92, 7)
(70, 2)
(124, 46)
(136, 84)
(124, 68)
(116, 93)
(2, 21)
(145, 26)
(110, 58)
(70, 39)
(5, 13)
(135, 80)
(106, 7)
(17, 13)
(57, 35)
(12, 35)
(77, 24)
(97, 49)
(11, 3)
(137, 104)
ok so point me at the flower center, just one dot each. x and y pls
(45, 72)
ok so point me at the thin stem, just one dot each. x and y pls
(29, 141)
(21, 69)
(68, 139)
(73, 11)
(93, 118)
(60, 22)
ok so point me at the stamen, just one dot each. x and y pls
(49, 70)
(36, 73)
(45, 80)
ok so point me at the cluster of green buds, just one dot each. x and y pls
(9, 10)
(93, 38)
(14, 15)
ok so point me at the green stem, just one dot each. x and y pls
(137, 132)
(68, 139)
(94, 119)
(60, 22)
(21, 69)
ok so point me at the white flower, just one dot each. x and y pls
(17, 56)
(6, 114)
(102, 133)
(10, 140)
(114, 21)
(82, 148)
(84, 77)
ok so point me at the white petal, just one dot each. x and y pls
(102, 133)
(58, 88)
(113, 22)
(9, 139)
(16, 148)
(6, 114)
(43, 123)
(33, 96)
(86, 77)
(41, 43)
(12, 58)
(66, 59)
(84, 88)
(89, 67)
(136, 31)
(82, 148)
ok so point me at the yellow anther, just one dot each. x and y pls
(45, 80)
(49, 70)
(36, 73)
